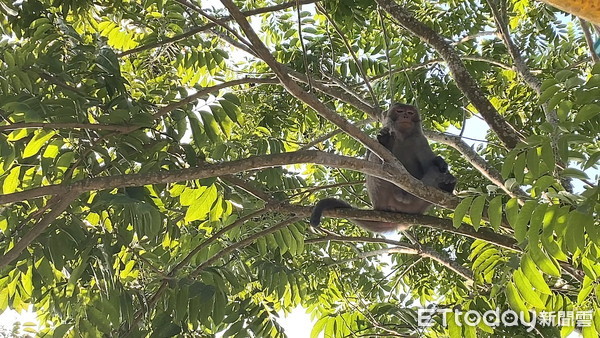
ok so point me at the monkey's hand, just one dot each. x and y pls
(385, 137)
(439, 162)
(446, 182)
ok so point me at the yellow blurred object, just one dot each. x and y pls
(586, 9)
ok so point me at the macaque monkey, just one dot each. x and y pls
(402, 134)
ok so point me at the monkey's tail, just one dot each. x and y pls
(326, 204)
(334, 203)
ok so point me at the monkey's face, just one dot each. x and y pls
(402, 117)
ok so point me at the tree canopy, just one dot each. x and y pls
(159, 159)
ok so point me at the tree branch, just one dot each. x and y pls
(476, 161)
(402, 248)
(432, 222)
(350, 51)
(50, 125)
(533, 82)
(293, 88)
(384, 171)
(589, 40)
(243, 243)
(61, 205)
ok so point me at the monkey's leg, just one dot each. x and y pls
(386, 196)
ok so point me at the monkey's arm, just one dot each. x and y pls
(439, 162)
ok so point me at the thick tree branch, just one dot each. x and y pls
(61, 205)
(506, 133)
(533, 82)
(432, 222)
(384, 171)
(520, 63)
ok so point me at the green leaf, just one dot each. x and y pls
(545, 263)
(461, 211)
(508, 163)
(535, 224)
(201, 207)
(548, 93)
(495, 212)
(533, 275)
(564, 108)
(564, 75)
(579, 221)
(587, 112)
(210, 126)
(515, 301)
(280, 242)
(230, 109)
(519, 169)
(319, 327)
(11, 182)
(533, 162)
(593, 160)
(512, 211)
(36, 143)
(526, 290)
(476, 211)
(523, 218)
(575, 173)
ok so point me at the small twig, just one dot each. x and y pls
(243, 243)
(304, 53)
(386, 41)
(589, 40)
(211, 25)
(73, 125)
(350, 51)
(214, 20)
(331, 134)
(323, 187)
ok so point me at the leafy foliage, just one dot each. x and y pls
(111, 90)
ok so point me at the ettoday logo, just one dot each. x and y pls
(496, 317)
